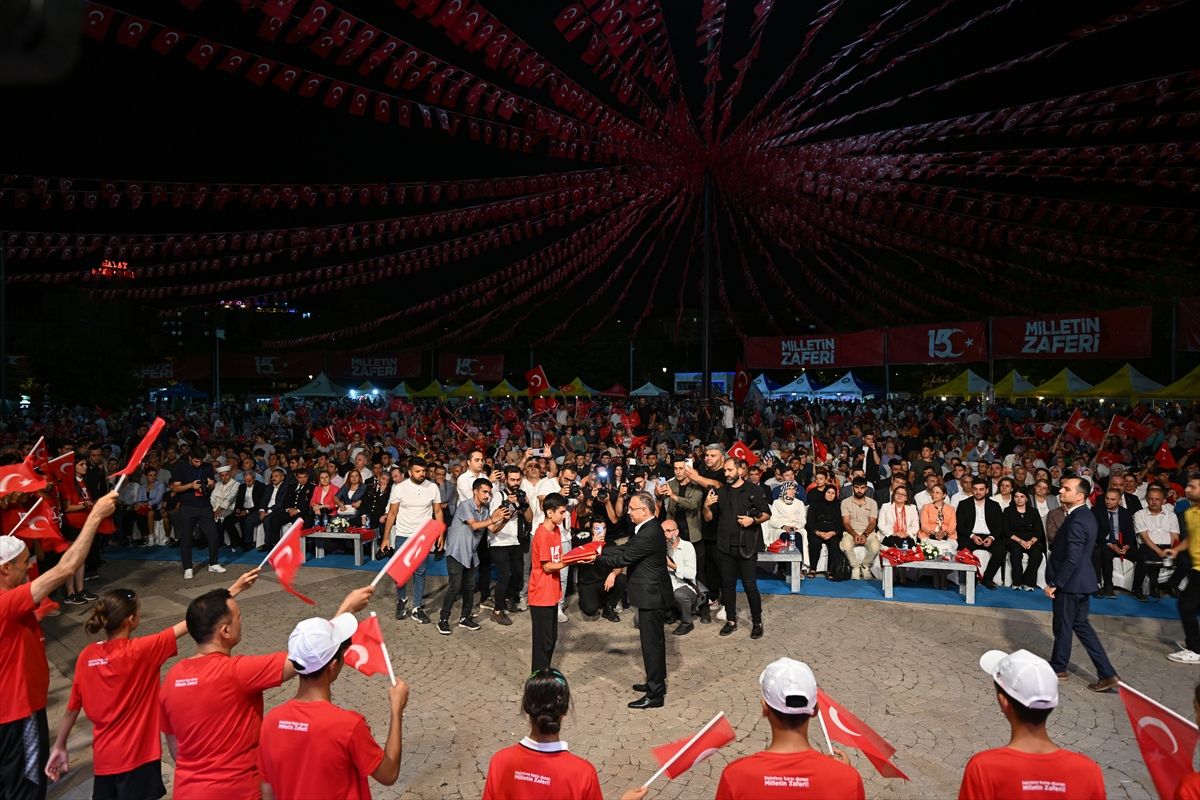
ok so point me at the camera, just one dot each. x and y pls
(753, 511)
(602, 494)
(574, 491)
(517, 500)
(637, 471)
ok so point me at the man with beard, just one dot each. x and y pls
(709, 476)
(860, 514)
(739, 508)
(509, 544)
(413, 503)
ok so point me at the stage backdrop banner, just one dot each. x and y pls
(385, 368)
(1189, 324)
(954, 342)
(837, 351)
(1114, 333)
(476, 368)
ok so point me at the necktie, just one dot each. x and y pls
(1116, 529)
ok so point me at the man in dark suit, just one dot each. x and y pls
(245, 510)
(1070, 581)
(649, 589)
(979, 522)
(272, 509)
(1115, 538)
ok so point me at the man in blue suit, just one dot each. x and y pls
(1070, 581)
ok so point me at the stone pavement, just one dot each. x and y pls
(910, 671)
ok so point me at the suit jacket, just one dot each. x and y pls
(1104, 533)
(1069, 568)
(993, 515)
(256, 493)
(1133, 503)
(299, 497)
(280, 499)
(645, 561)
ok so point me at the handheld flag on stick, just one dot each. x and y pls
(139, 452)
(286, 557)
(411, 554)
(367, 652)
(39, 523)
(59, 470)
(853, 732)
(1167, 740)
(678, 757)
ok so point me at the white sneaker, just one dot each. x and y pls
(523, 604)
(721, 614)
(855, 574)
(562, 617)
(187, 575)
(215, 568)
(1185, 656)
(714, 604)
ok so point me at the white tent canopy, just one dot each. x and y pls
(320, 387)
(802, 386)
(648, 390)
(849, 385)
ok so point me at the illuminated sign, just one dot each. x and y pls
(113, 269)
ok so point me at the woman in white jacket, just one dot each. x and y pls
(899, 523)
(787, 514)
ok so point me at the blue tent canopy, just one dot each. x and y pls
(180, 391)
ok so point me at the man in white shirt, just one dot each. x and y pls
(413, 502)
(224, 500)
(561, 484)
(1158, 529)
(923, 497)
(681, 564)
(505, 544)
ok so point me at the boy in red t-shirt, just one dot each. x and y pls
(790, 767)
(1031, 766)
(545, 587)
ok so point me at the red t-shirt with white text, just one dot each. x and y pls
(522, 772)
(545, 588)
(786, 775)
(213, 706)
(26, 681)
(1005, 773)
(317, 750)
(116, 684)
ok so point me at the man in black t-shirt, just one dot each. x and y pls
(709, 476)
(191, 485)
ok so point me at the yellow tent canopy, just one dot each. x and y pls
(434, 389)
(504, 389)
(577, 388)
(1186, 388)
(1011, 385)
(1127, 383)
(965, 385)
(468, 389)
(1064, 384)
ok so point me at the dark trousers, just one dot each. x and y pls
(484, 552)
(814, 550)
(1183, 568)
(1102, 561)
(13, 783)
(733, 566)
(707, 568)
(1189, 605)
(592, 596)
(1071, 617)
(248, 524)
(1028, 575)
(509, 561)
(544, 621)
(462, 585)
(654, 649)
(273, 525)
(231, 527)
(996, 551)
(191, 517)
(685, 601)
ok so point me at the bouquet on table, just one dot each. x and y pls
(931, 550)
(337, 524)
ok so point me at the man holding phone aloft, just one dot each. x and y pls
(599, 589)
(740, 508)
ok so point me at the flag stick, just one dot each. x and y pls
(25, 516)
(120, 481)
(824, 730)
(683, 749)
(387, 658)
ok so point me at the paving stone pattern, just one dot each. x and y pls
(910, 671)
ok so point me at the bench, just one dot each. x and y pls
(889, 573)
(793, 557)
(355, 535)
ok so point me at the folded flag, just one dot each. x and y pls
(583, 552)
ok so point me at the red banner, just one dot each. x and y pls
(1114, 333)
(1189, 324)
(835, 351)
(387, 368)
(954, 342)
(476, 368)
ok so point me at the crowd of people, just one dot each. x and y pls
(686, 494)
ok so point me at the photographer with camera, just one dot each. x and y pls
(682, 500)
(510, 544)
(739, 508)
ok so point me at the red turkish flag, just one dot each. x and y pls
(20, 478)
(39, 523)
(1044, 431)
(1079, 425)
(536, 378)
(637, 443)
(139, 453)
(583, 552)
(286, 558)
(38, 457)
(1154, 421)
(1164, 457)
(631, 421)
(1120, 426)
(540, 406)
(1107, 459)
(742, 452)
(606, 431)
(365, 652)
(510, 415)
(60, 469)
(741, 384)
(678, 757)
(412, 553)
(325, 437)
(820, 451)
(202, 53)
(97, 20)
(1167, 740)
(851, 731)
(132, 30)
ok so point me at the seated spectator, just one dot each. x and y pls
(899, 524)
(1116, 538)
(824, 528)
(1023, 532)
(351, 497)
(980, 525)
(1158, 528)
(1004, 494)
(681, 564)
(939, 524)
(859, 517)
(788, 515)
(923, 497)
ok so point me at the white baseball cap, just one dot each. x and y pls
(1026, 678)
(789, 687)
(10, 548)
(314, 642)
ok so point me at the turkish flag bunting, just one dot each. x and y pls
(851, 731)
(536, 378)
(1164, 457)
(1079, 425)
(38, 457)
(20, 478)
(1167, 740)
(583, 552)
(287, 556)
(365, 652)
(742, 452)
(1120, 426)
(60, 469)
(139, 452)
(39, 523)
(412, 553)
(325, 437)
(1107, 459)
(741, 384)
(678, 757)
